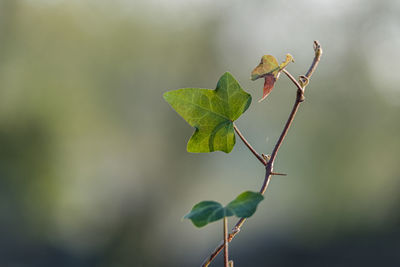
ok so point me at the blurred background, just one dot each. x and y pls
(93, 163)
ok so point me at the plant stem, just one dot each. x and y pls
(226, 253)
(293, 80)
(258, 156)
(270, 165)
(317, 58)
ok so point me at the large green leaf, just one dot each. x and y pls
(269, 69)
(211, 112)
(206, 212)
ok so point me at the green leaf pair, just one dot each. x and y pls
(211, 112)
(206, 212)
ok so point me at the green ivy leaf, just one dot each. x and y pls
(206, 212)
(269, 69)
(211, 112)
(245, 204)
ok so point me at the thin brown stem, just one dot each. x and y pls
(287, 126)
(293, 80)
(258, 156)
(270, 164)
(226, 253)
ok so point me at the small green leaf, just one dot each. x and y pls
(245, 204)
(211, 112)
(206, 212)
(269, 69)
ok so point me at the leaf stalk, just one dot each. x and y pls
(226, 252)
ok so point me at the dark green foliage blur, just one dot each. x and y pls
(93, 163)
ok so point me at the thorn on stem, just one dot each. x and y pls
(277, 173)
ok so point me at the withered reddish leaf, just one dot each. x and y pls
(269, 69)
(268, 85)
(268, 65)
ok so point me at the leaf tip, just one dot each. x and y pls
(166, 96)
(289, 57)
(226, 74)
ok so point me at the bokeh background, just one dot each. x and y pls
(93, 163)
